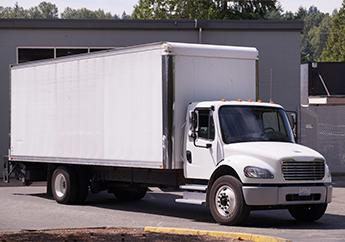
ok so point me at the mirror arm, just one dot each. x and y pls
(207, 146)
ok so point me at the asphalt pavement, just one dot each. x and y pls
(29, 208)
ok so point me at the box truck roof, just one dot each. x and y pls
(211, 50)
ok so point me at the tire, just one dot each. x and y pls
(226, 201)
(308, 213)
(130, 194)
(65, 185)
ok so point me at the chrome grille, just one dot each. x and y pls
(301, 170)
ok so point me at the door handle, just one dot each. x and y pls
(189, 156)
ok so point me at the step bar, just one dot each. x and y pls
(194, 187)
(193, 194)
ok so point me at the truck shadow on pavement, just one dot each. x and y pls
(164, 204)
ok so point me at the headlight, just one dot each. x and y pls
(257, 172)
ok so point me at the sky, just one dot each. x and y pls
(118, 6)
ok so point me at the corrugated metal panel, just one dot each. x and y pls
(323, 129)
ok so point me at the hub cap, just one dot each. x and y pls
(225, 201)
(60, 185)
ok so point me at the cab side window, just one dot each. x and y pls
(206, 125)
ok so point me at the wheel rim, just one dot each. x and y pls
(60, 185)
(225, 201)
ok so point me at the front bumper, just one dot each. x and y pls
(287, 195)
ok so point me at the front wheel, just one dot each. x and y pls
(308, 213)
(226, 201)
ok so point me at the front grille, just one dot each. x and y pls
(301, 170)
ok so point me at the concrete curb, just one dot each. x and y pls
(232, 235)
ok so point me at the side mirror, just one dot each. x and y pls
(194, 124)
(292, 115)
(292, 119)
(195, 120)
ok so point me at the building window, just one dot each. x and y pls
(32, 54)
(25, 54)
(98, 49)
(71, 51)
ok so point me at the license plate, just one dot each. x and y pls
(304, 191)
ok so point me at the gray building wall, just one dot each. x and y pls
(323, 125)
(323, 129)
(278, 43)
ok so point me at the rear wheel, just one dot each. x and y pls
(64, 185)
(130, 193)
(308, 213)
(226, 201)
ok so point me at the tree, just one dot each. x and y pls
(204, 9)
(318, 35)
(335, 49)
(172, 9)
(288, 15)
(274, 15)
(125, 15)
(312, 43)
(84, 13)
(47, 10)
(301, 13)
(44, 10)
(15, 12)
(245, 9)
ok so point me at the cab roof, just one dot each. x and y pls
(220, 103)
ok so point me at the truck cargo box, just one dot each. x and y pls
(123, 107)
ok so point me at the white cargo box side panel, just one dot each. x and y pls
(204, 78)
(104, 110)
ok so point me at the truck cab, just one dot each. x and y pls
(244, 155)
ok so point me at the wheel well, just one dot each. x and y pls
(220, 171)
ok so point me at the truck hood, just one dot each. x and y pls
(268, 151)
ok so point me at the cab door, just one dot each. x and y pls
(201, 145)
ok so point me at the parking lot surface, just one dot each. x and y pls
(29, 208)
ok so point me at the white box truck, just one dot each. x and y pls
(164, 115)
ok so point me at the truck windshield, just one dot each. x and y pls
(250, 123)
